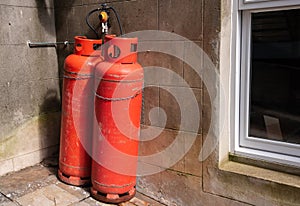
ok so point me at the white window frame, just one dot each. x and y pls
(260, 4)
(258, 148)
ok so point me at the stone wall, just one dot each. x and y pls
(30, 97)
(189, 181)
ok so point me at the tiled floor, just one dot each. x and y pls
(39, 186)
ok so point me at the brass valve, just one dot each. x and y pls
(103, 16)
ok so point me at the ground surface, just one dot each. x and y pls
(39, 186)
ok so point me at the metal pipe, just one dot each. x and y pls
(47, 44)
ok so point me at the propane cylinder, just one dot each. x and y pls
(118, 101)
(77, 104)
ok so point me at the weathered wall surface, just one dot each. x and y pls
(189, 181)
(29, 103)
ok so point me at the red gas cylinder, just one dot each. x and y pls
(118, 101)
(77, 110)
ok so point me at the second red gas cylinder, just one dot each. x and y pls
(118, 101)
(77, 104)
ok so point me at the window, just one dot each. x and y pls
(269, 80)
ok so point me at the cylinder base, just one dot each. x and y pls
(113, 198)
(72, 180)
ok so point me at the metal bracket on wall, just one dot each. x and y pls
(47, 44)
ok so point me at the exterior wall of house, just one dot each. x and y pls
(30, 102)
(29, 85)
(30, 122)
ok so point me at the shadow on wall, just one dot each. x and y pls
(46, 16)
(62, 9)
(49, 124)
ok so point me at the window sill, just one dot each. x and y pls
(261, 173)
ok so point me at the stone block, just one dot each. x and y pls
(192, 192)
(136, 15)
(180, 189)
(194, 195)
(33, 158)
(245, 188)
(76, 25)
(182, 107)
(38, 132)
(150, 185)
(171, 118)
(183, 18)
(49, 129)
(29, 84)
(69, 3)
(151, 73)
(61, 25)
(150, 113)
(36, 23)
(160, 146)
(6, 117)
(209, 199)
(162, 68)
(192, 164)
(21, 106)
(24, 103)
(176, 188)
(29, 3)
(173, 188)
(21, 64)
(15, 64)
(41, 64)
(192, 78)
(136, 12)
(11, 146)
(211, 29)
(183, 156)
(98, 2)
(193, 74)
(5, 167)
(19, 76)
(206, 112)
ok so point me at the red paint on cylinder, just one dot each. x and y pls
(77, 110)
(118, 103)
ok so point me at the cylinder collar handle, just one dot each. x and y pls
(121, 50)
(87, 47)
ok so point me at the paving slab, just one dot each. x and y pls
(79, 192)
(146, 199)
(4, 201)
(39, 186)
(90, 201)
(50, 195)
(17, 184)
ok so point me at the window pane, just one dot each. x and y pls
(275, 76)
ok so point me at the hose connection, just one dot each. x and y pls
(104, 18)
